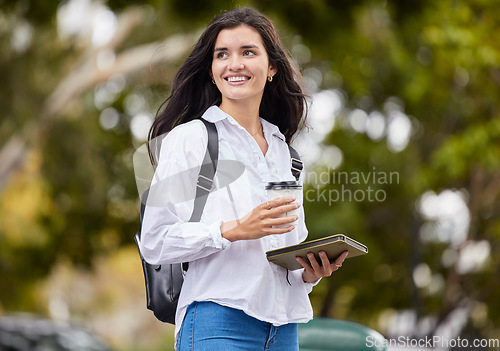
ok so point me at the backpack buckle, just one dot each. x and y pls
(205, 183)
(297, 165)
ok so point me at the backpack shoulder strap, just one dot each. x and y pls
(205, 177)
(204, 183)
(208, 168)
(296, 164)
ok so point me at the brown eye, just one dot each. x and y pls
(221, 55)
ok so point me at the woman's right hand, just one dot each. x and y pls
(260, 221)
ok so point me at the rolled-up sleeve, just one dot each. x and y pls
(167, 236)
(296, 278)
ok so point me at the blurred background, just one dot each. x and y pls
(402, 153)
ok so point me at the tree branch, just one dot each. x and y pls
(86, 75)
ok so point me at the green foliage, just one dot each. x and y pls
(36, 12)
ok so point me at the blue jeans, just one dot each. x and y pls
(208, 326)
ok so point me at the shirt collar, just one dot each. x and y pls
(271, 129)
(214, 114)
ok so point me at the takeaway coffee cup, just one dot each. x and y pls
(285, 188)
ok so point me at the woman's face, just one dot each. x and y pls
(240, 65)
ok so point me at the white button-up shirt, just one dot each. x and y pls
(236, 274)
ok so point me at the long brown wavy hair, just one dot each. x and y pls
(283, 102)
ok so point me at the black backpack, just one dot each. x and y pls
(164, 282)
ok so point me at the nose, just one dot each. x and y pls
(236, 63)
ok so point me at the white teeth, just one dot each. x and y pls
(236, 79)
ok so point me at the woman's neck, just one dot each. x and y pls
(246, 114)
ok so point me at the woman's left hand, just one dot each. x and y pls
(315, 271)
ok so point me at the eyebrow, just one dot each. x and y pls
(251, 46)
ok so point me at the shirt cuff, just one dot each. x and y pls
(309, 286)
(297, 279)
(219, 241)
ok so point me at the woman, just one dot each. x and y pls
(240, 78)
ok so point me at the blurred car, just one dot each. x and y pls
(28, 333)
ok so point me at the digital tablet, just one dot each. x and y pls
(333, 246)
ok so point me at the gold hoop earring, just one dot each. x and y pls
(270, 79)
(213, 81)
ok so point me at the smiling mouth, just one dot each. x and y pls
(237, 79)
